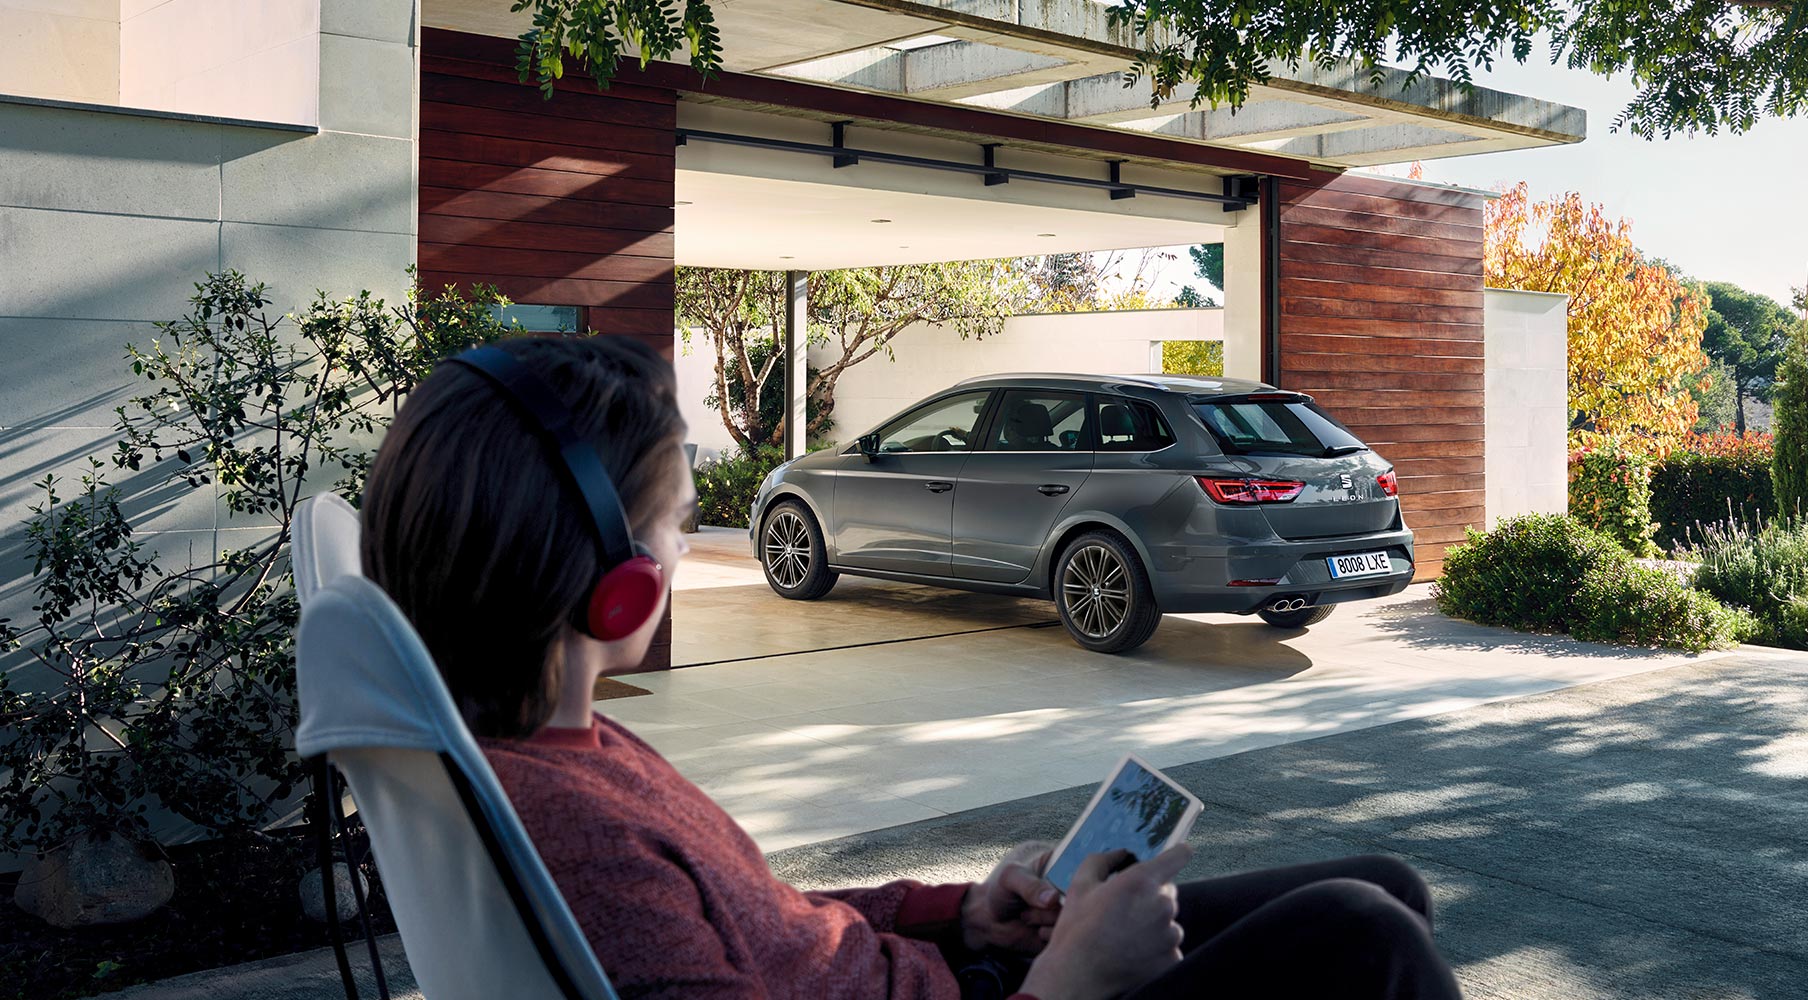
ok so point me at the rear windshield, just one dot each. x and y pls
(1276, 427)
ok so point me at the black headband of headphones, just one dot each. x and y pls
(535, 400)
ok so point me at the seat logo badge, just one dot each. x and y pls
(1347, 484)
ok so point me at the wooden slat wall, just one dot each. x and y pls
(565, 202)
(561, 202)
(1380, 289)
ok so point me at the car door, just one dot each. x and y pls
(894, 511)
(1037, 452)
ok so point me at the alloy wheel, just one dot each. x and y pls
(788, 549)
(1096, 590)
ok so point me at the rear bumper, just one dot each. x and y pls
(1195, 579)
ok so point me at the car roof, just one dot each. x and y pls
(1184, 384)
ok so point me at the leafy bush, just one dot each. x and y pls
(174, 688)
(1551, 573)
(1525, 574)
(1762, 567)
(1621, 601)
(1694, 488)
(1789, 463)
(726, 486)
(1610, 491)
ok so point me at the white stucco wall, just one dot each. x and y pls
(1527, 403)
(108, 218)
(225, 58)
(66, 50)
(930, 358)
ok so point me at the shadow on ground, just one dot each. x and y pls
(1639, 837)
(1419, 624)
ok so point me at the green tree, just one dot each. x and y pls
(1789, 460)
(1746, 332)
(1715, 400)
(1193, 357)
(1208, 263)
(854, 314)
(1700, 65)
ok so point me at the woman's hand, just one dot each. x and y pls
(1015, 907)
(1117, 928)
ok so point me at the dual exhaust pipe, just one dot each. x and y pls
(1288, 604)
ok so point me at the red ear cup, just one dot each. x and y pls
(625, 599)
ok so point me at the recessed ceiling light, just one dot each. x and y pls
(786, 257)
(684, 203)
(902, 247)
(1045, 234)
(881, 220)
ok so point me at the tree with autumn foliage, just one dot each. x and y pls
(1634, 326)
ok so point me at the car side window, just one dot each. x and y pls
(946, 425)
(1033, 420)
(1131, 425)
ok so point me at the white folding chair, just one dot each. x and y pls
(323, 543)
(480, 915)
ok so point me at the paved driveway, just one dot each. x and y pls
(885, 703)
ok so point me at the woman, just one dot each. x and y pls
(485, 521)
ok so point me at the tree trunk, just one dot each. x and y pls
(1739, 406)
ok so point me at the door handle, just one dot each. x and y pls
(1051, 489)
(938, 486)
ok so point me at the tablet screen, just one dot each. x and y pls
(1138, 812)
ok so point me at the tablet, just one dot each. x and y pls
(1138, 809)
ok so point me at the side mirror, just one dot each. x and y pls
(869, 446)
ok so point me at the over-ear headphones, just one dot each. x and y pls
(627, 592)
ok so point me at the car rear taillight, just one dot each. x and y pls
(1250, 491)
(1390, 484)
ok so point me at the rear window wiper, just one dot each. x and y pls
(1344, 449)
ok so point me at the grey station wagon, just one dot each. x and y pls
(1120, 498)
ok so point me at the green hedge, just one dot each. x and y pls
(1551, 573)
(1525, 574)
(726, 485)
(1690, 489)
(1621, 601)
(1610, 491)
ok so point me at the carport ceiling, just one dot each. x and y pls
(727, 220)
(1059, 60)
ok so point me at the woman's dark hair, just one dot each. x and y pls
(471, 526)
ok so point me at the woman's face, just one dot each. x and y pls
(664, 540)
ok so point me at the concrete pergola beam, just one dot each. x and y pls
(1264, 122)
(1082, 27)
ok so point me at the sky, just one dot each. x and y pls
(1727, 208)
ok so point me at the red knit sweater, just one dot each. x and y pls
(678, 901)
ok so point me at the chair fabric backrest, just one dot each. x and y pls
(458, 868)
(324, 543)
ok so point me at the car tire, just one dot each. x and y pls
(793, 555)
(1100, 614)
(1297, 619)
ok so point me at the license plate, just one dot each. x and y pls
(1360, 564)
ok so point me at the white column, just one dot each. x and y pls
(797, 366)
(1243, 299)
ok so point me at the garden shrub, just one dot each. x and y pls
(726, 486)
(1691, 489)
(1610, 491)
(1762, 567)
(1623, 602)
(167, 685)
(1525, 574)
(1789, 461)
